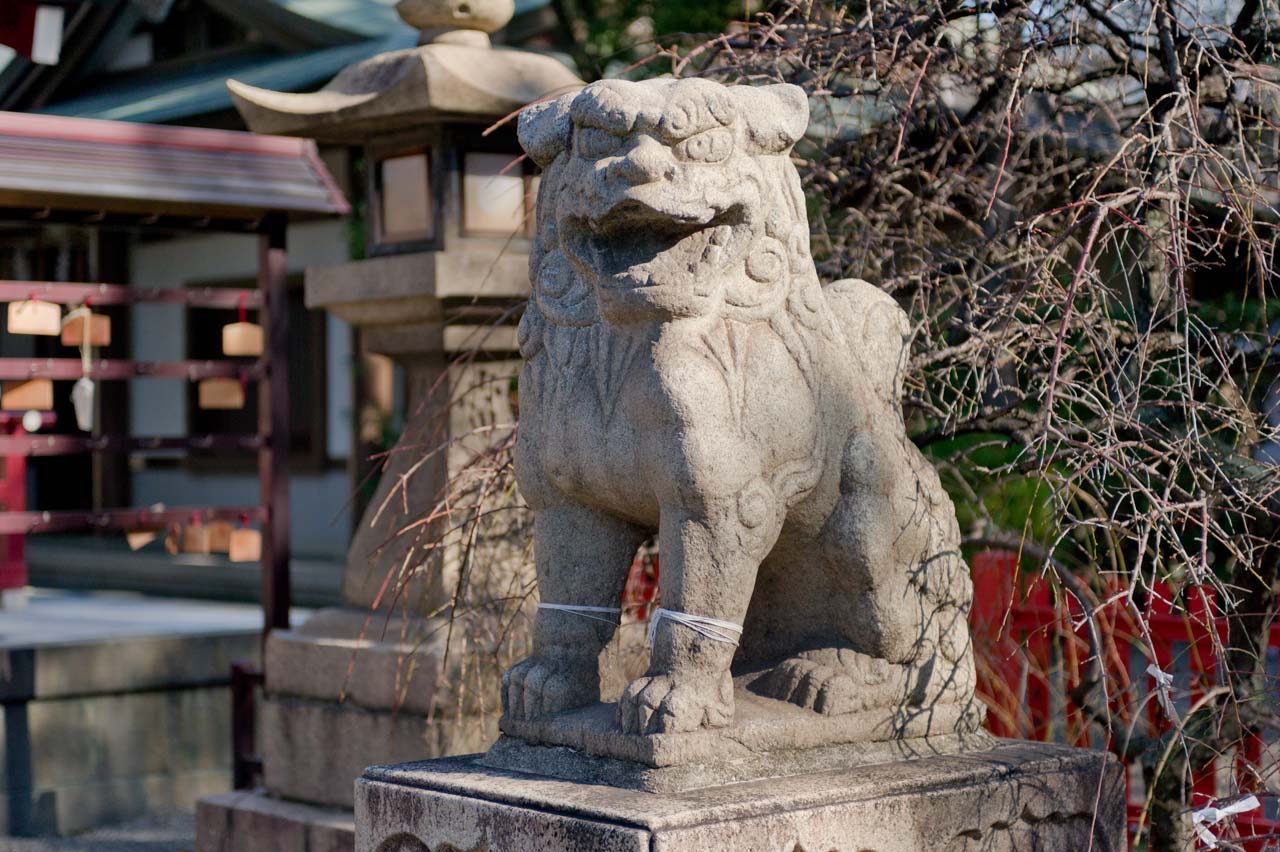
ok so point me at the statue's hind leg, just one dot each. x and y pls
(899, 591)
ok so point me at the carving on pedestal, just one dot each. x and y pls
(686, 373)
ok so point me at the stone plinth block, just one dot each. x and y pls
(313, 750)
(767, 738)
(1015, 796)
(257, 822)
(346, 655)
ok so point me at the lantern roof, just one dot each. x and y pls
(456, 74)
(297, 45)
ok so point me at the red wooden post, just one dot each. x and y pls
(13, 498)
(246, 767)
(273, 423)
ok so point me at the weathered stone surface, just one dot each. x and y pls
(761, 725)
(389, 660)
(397, 562)
(570, 764)
(1017, 796)
(113, 708)
(257, 822)
(686, 374)
(402, 289)
(75, 808)
(312, 751)
(367, 660)
(70, 770)
(60, 663)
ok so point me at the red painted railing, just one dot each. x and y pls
(1036, 657)
(13, 498)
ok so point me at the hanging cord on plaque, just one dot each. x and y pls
(84, 391)
(585, 611)
(712, 628)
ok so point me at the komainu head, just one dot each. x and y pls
(666, 199)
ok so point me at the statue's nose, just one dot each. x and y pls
(646, 161)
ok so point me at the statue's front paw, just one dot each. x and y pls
(540, 686)
(667, 704)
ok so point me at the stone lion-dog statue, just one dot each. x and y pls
(686, 374)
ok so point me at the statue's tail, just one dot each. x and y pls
(878, 332)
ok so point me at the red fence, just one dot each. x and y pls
(1035, 659)
(13, 498)
(1035, 655)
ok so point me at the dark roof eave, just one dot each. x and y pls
(113, 169)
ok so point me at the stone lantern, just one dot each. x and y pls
(448, 214)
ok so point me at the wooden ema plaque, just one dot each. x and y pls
(242, 339)
(31, 395)
(221, 394)
(246, 545)
(99, 330)
(196, 539)
(138, 539)
(173, 540)
(35, 317)
(220, 537)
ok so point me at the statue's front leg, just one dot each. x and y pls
(583, 557)
(709, 563)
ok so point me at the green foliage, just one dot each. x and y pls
(1016, 503)
(1236, 312)
(611, 35)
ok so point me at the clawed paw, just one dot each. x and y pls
(665, 704)
(815, 687)
(542, 685)
(836, 683)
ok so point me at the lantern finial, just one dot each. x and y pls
(434, 15)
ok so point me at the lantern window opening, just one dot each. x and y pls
(498, 194)
(403, 207)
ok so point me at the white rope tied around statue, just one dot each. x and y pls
(584, 611)
(712, 628)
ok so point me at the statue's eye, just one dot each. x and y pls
(594, 143)
(710, 146)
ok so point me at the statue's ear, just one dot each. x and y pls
(777, 115)
(546, 129)
(793, 114)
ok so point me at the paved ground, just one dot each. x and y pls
(56, 618)
(164, 833)
(64, 629)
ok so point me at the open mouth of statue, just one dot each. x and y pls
(634, 251)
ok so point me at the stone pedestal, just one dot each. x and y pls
(398, 303)
(346, 689)
(350, 688)
(1014, 796)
